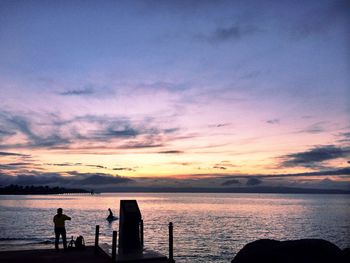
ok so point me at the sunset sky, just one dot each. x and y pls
(175, 93)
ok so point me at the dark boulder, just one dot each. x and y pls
(292, 251)
(346, 254)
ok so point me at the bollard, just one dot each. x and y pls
(114, 246)
(171, 244)
(97, 234)
(141, 232)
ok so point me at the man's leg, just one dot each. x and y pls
(57, 238)
(64, 238)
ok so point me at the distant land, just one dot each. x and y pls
(37, 190)
(42, 190)
(253, 190)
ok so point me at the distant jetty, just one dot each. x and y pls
(39, 190)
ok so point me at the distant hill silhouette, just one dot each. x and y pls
(256, 189)
(37, 190)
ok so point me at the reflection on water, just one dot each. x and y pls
(207, 227)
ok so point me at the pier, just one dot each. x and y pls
(128, 248)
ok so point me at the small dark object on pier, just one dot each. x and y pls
(80, 243)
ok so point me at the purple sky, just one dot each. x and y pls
(179, 93)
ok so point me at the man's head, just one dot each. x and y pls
(59, 211)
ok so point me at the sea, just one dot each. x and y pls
(208, 227)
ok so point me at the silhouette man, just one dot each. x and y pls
(110, 216)
(60, 229)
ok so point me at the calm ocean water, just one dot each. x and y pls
(207, 227)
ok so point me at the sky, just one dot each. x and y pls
(175, 93)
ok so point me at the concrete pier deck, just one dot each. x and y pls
(145, 255)
(53, 256)
(77, 256)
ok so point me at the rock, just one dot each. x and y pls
(346, 254)
(292, 251)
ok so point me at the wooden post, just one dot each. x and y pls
(171, 244)
(97, 234)
(114, 246)
(141, 234)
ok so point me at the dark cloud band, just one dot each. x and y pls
(315, 156)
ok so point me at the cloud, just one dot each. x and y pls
(77, 164)
(219, 125)
(158, 86)
(232, 33)
(63, 164)
(140, 145)
(123, 132)
(315, 156)
(314, 128)
(89, 90)
(19, 164)
(14, 166)
(230, 182)
(32, 178)
(171, 130)
(24, 125)
(183, 163)
(219, 167)
(123, 169)
(4, 133)
(53, 132)
(253, 181)
(52, 140)
(223, 124)
(96, 166)
(75, 179)
(223, 165)
(99, 178)
(321, 19)
(106, 128)
(273, 121)
(16, 122)
(171, 152)
(342, 172)
(345, 137)
(13, 154)
(78, 92)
